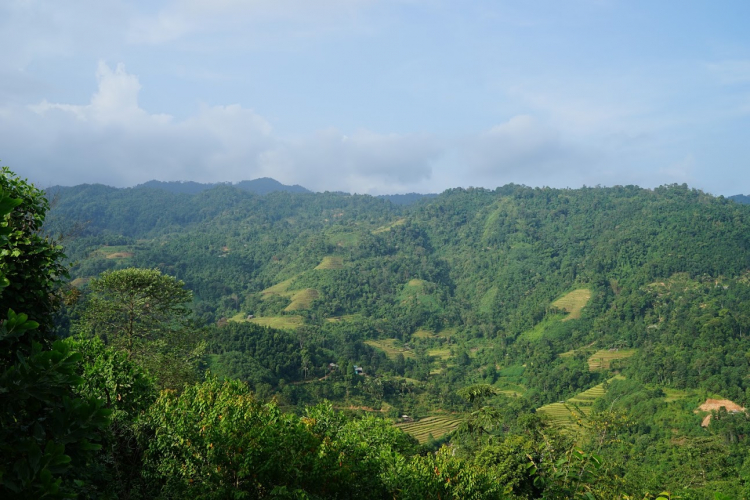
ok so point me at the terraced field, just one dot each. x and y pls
(435, 426)
(586, 350)
(440, 353)
(280, 322)
(564, 414)
(278, 289)
(302, 299)
(390, 347)
(423, 334)
(602, 359)
(115, 252)
(331, 262)
(573, 303)
(346, 317)
(343, 239)
(388, 227)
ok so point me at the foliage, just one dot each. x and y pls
(143, 313)
(468, 286)
(30, 263)
(216, 440)
(47, 434)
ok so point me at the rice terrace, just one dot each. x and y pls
(565, 415)
(605, 359)
(573, 303)
(431, 427)
(391, 347)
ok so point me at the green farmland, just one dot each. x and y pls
(605, 358)
(391, 348)
(564, 414)
(435, 426)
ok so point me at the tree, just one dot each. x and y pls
(47, 432)
(30, 263)
(144, 313)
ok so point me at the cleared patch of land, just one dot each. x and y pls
(671, 395)
(346, 317)
(714, 405)
(331, 262)
(510, 393)
(302, 299)
(279, 322)
(388, 227)
(539, 330)
(417, 290)
(586, 349)
(436, 426)
(573, 303)
(278, 289)
(343, 239)
(115, 252)
(440, 353)
(602, 359)
(423, 334)
(390, 347)
(120, 255)
(447, 332)
(487, 302)
(80, 281)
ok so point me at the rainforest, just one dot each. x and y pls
(186, 341)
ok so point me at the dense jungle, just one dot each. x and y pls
(177, 340)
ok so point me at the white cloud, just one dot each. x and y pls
(525, 150)
(116, 99)
(363, 162)
(679, 171)
(113, 140)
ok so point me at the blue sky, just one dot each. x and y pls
(378, 96)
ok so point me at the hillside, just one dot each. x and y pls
(545, 294)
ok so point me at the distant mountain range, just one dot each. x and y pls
(262, 186)
(741, 198)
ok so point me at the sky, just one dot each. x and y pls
(378, 96)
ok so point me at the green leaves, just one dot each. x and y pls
(30, 264)
(46, 433)
(144, 313)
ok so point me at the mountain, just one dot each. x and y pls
(260, 186)
(612, 310)
(406, 199)
(741, 198)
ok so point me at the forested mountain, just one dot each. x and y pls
(264, 185)
(622, 304)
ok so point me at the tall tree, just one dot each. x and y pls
(144, 313)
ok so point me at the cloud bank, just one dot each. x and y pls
(113, 140)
